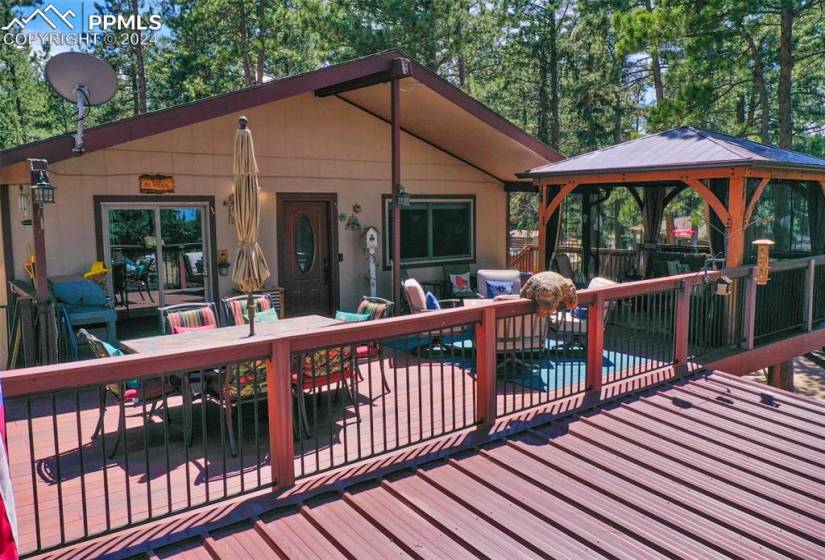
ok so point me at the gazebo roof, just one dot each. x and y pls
(685, 147)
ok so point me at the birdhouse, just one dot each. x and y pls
(724, 286)
(763, 249)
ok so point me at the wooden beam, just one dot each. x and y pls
(637, 197)
(757, 194)
(784, 173)
(595, 344)
(399, 68)
(647, 176)
(279, 411)
(15, 174)
(546, 212)
(395, 140)
(520, 186)
(781, 375)
(712, 200)
(736, 222)
(486, 403)
(554, 204)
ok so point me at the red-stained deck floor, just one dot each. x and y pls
(709, 468)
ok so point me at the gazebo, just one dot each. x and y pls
(729, 173)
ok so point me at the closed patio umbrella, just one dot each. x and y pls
(250, 265)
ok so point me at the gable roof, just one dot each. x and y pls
(678, 148)
(470, 117)
(699, 468)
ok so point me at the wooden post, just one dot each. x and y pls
(781, 375)
(395, 125)
(595, 344)
(279, 409)
(736, 228)
(681, 335)
(808, 307)
(485, 333)
(542, 256)
(749, 315)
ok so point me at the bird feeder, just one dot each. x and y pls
(724, 286)
(762, 260)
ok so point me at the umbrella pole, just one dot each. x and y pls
(250, 311)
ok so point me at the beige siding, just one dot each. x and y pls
(303, 144)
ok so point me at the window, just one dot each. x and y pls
(433, 230)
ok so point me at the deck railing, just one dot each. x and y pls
(314, 401)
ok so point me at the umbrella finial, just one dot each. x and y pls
(243, 121)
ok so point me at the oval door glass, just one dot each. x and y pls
(304, 244)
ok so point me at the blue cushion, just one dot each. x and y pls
(495, 288)
(79, 316)
(580, 312)
(111, 350)
(351, 317)
(79, 292)
(432, 301)
(266, 316)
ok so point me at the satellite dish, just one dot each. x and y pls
(84, 80)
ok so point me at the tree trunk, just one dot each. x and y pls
(140, 69)
(762, 88)
(244, 35)
(20, 107)
(262, 29)
(656, 66)
(555, 125)
(785, 68)
(544, 102)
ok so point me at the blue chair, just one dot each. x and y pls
(86, 304)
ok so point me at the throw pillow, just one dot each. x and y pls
(461, 283)
(495, 288)
(111, 350)
(432, 301)
(267, 316)
(348, 317)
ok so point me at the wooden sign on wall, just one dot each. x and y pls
(157, 184)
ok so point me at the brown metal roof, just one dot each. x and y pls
(706, 468)
(679, 148)
(451, 117)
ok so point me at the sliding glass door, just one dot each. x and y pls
(158, 253)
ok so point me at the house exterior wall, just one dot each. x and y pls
(303, 144)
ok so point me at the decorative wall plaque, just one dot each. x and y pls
(157, 184)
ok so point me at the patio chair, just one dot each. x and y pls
(498, 276)
(458, 269)
(572, 327)
(153, 390)
(417, 299)
(376, 308)
(234, 308)
(185, 317)
(520, 337)
(322, 369)
(86, 303)
(565, 268)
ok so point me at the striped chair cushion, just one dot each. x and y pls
(374, 309)
(203, 317)
(324, 363)
(237, 309)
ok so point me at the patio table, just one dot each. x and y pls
(210, 337)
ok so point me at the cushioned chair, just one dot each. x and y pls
(520, 337)
(449, 269)
(417, 299)
(186, 317)
(511, 276)
(234, 308)
(86, 304)
(573, 328)
(376, 308)
(321, 369)
(152, 390)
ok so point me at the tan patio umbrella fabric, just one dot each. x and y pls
(250, 265)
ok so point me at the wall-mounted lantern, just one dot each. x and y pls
(42, 191)
(763, 249)
(403, 197)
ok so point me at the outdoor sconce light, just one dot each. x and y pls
(223, 262)
(403, 197)
(724, 286)
(763, 268)
(42, 192)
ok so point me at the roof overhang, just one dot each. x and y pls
(432, 109)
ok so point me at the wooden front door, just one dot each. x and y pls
(307, 267)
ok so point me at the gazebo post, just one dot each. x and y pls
(735, 254)
(395, 125)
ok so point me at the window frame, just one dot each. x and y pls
(386, 200)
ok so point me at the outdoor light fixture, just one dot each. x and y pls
(403, 197)
(763, 268)
(42, 191)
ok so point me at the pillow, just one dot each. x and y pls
(498, 288)
(111, 350)
(580, 312)
(268, 316)
(351, 317)
(178, 329)
(79, 292)
(461, 283)
(432, 301)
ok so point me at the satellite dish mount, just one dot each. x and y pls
(84, 80)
